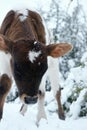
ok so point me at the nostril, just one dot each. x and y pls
(26, 99)
(35, 99)
(40, 92)
(30, 100)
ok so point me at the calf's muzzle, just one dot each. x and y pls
(30, 100)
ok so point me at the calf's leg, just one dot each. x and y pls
(23, 109)
(41, 109)
(5, 85)
(53, 71)
(60, 108)
(41, 96)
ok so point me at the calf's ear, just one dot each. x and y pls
(57, 50)
(5, 43)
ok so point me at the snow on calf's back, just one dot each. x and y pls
(33, 55)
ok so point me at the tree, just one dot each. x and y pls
(69, 28)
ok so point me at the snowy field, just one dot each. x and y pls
(13, 120)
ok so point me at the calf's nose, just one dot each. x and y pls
(30, 100)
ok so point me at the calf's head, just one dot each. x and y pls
(29, 63)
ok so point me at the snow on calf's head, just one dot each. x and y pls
(33, 55)
(24, 14)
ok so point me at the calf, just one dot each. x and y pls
(22, 37)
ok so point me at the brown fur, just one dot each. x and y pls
(5, 85)
(18, 38)
(16, 30)
(60, 109)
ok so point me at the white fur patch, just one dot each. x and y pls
(24, 15)
(33, 55)
(5, 67)
(53, 72)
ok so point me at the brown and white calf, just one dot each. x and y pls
(23, 43)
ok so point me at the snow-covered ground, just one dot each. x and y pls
(13, 120)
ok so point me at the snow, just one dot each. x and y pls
(84, 58)
(25, 14)
(22, 4)
(13, 120)
(33, 55)
(75, 107)
(71, 63)
(77, 80)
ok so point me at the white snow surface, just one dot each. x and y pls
(24, 13)
(13, 120)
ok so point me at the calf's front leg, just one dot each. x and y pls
(41, 96)
(53, 72)
(23, 109)
(41, 109)
(5, 85)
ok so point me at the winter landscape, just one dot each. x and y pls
(67, 25)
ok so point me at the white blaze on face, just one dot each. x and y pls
(33, 55)
(24, 15)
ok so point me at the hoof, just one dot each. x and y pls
(23, 109)
(62, 116)
(0, 115)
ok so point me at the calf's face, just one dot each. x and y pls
(29, 63)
